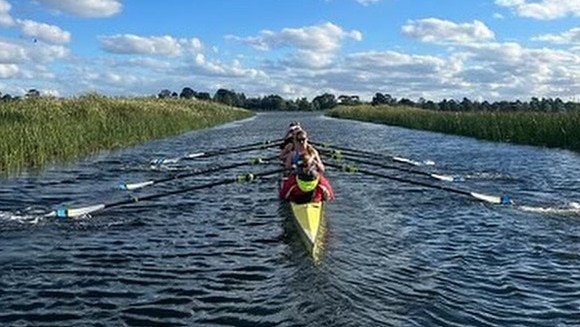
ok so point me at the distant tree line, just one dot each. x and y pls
(32, 93)
(267, 103)
(535, 104)
(326, 101)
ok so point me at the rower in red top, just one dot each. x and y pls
(307, 184)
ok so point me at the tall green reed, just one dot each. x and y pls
(560, 130)
(34, 132)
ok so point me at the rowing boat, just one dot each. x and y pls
(309, 219)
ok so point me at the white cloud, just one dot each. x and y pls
(129, 77)
(315, 45)
(30, 53)
(521, 71)
(397, 73)
(85, 8)
(5, 19)
(119, 79)
(572, 36)
(489, 71)
(149, 63)
(7, 71)
(544, 9)
(394, 61)
(151, 45)
(304, 61)
(45, 32)
(50, 92)
(326, 37)
(434, 30)
(204, 66)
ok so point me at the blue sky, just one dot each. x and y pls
(433, 49)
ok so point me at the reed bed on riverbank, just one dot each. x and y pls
(560, 130)
(34, 132)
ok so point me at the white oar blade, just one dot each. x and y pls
(407, 161)
(84, 211)
(159, 162)
(71, 213)
(195, 155)
(444, 178)
(135, 186)
(488, 198)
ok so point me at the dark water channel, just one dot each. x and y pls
(396, 254)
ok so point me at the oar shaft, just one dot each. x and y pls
(267, 142)
(363, 152)
(353, 158)
(240, 178)
(236, 149)
(219, 168)
(338, 153)
(324, 145)
(366, 154)
(217, 153)
(479, 196)
(134, 186)
(75, 212)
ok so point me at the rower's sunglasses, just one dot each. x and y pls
(301, 140)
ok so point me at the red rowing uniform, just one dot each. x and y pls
(291, 192)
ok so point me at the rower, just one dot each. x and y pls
(307, 184)
(302, 147)
(288, 144)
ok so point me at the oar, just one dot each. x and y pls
(479, 196)
(77, 212)
(368, 153)
(230, 150)
(339, 155)
(134, 186)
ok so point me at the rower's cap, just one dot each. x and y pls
(294, 123)
(294, 128)
(307, 181)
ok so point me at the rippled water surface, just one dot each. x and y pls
(395, 254)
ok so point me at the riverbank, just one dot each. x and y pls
(35, 132)
(556, 130)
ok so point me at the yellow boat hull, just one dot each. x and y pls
(309, 219)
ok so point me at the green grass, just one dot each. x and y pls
(558, 130)
(34, 132)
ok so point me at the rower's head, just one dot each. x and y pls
(292, 130)
(307, 180)
(301, 138)
(305, 162)
(306, 175)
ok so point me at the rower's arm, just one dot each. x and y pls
(286, 151)
(288, 162)
(318, 162)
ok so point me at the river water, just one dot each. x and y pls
(395, 254)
